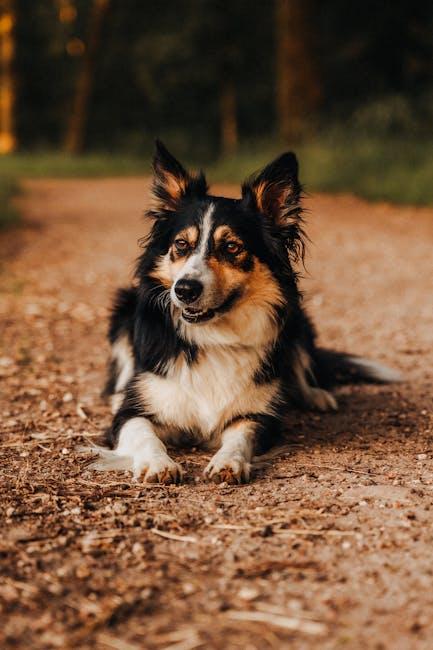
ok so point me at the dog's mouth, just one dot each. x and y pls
(191, 315)
(197, 315)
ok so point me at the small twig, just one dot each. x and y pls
(313, 531)
(269, 608)
(31, 589)
(18, 444)
(285, 531)
(343, 469)
(131, 484)
(98, 484)
(44, 448)
(82, 434)
(285, 476)
(43, 538)
(117, 644)
(180, 640)
(187, 644)
(106, 534)
(232, 527)
(288, 623)
(81, 412)
(176, 538)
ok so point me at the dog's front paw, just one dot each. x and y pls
(322, 400)
(160, 469)
(228, 469)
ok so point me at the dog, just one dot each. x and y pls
(211, 345)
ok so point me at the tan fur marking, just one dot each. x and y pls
(225, 232)
(175, 185)
(162, 271)
(189, 234)
(166, 269)
(272, 198)
(228, 277)
(259, 191)
(262, 286)
(261, 293)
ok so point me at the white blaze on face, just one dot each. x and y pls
(196, 267)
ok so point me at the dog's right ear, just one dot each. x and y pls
(172, 183)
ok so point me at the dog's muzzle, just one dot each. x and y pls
(188, 291)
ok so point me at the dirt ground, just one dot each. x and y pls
(329, 546)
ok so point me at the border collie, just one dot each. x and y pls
(211, 345)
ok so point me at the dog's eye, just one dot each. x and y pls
(181, 244)
(233, 247)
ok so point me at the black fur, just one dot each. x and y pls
(123, 314)
(129, 409)
(121, 323)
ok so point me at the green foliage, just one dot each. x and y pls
(8, 214)
(392, 168)
(61, 165)
(389, 168)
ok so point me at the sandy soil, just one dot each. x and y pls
(329, 546)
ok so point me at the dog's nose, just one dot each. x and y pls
(188, 290)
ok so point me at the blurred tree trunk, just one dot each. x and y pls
(229, 121)
(297, 88)
(74, 140)
(7, 86)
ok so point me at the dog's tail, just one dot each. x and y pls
(336, 368)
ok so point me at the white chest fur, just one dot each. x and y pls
(206, 395)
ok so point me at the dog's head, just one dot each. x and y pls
(220, 259)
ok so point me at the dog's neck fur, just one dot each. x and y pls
(250, 327)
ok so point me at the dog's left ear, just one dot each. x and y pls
(172, 183)
(276, 192)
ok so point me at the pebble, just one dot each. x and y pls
(32, 309)
(248, 593)
(346, 545)
(137, 548)
(82, 571)
(120, 508)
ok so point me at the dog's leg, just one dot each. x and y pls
(137, 438)
(138, 448)
(121, 370)
(232, 462)
(312, 396)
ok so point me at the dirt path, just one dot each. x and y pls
(329, 547)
